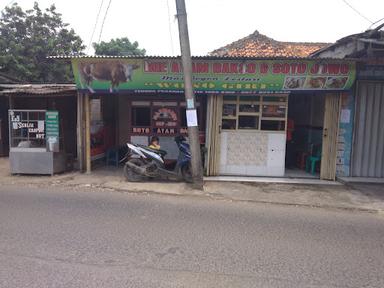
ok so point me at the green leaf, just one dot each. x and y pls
(118, 47)
(28, 37)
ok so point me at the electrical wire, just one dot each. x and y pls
(357, 11)
(94, 27)
(102, 24)
(170, 28)
(375, 22)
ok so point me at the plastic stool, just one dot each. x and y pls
(311, 164)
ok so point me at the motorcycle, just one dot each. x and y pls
(146, 163)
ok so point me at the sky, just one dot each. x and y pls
(214, 23)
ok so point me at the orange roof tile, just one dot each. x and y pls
(259, 45)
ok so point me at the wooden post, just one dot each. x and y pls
(10, 107)
(10, 102)
(80, 131)
(87, 134)
(330, 135)
(117, 120)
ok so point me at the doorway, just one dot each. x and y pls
(304, 135)
(312, 129)
(248, 135)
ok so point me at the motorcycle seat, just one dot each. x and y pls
(162, 153)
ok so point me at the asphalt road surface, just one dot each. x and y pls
(67, 238)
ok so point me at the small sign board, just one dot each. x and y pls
(52, 130)
(191, 118)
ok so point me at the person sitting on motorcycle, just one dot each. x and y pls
(154, 143)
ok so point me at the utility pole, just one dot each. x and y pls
(192, 122)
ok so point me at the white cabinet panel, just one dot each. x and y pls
(224, 149)
(276, 141)
(252, 153)
(276, 158)
(256, 171)
(277, 171)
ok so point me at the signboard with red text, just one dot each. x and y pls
(212, 76)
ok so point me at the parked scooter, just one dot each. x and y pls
(144, 162)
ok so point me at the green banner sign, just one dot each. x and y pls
(212, 76)
(52, 124)
(52, 130)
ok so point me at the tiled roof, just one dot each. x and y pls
(259, 45)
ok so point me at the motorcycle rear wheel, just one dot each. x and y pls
(130, 174)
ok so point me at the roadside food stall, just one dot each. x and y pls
(34, 142)
(243, 105)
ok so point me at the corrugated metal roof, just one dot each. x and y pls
(101, 56)
(37, 89)
(209, 57)
(375, 33)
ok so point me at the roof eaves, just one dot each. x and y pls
(340, 42)
(37, 89)
(105, 57)
(206, 57)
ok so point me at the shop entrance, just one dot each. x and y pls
(257, 136)
(118, 119)
(161, 116)
(312, 131)
(305, 126)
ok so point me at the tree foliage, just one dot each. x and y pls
(118, 47)
(28, 37)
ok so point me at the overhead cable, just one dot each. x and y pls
(357, 11)
(94, 27)
(102, 24)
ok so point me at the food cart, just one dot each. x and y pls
(35, 143)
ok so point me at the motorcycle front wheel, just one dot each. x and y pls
(130, 174)
(186, 173)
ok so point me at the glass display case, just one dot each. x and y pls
(253, 134)
(255, 113)
(34, 142)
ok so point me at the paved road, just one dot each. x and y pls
(63, 238)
